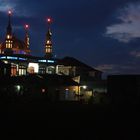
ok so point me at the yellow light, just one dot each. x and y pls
(8, 36)
(84, 87)
(6, 62)
(35, 66)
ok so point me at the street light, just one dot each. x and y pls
(84, 87)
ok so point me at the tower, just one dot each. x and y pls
(9, 40)
(27, 39)
(48, 43)
(12, 44)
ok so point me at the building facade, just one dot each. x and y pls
(16, 54)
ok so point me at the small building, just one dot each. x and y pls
(74, 67)
(85, 75)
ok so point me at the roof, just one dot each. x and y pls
(59, 80)
(17, 44)
(70, 61)
(37, 80)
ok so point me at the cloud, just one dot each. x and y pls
(135, 54)
(129, 27)
(15, 6)
(5, 5)
(119, 69)
(105, 67)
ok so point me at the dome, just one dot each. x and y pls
(18, 46)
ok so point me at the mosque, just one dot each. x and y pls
(16, 61)
(17, 54)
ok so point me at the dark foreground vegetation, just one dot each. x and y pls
(24, 115)
(37, 116)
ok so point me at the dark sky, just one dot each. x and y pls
(102, 33)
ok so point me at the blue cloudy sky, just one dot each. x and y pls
(102, 33)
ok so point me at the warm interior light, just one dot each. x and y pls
(35, 66)
(8, 36)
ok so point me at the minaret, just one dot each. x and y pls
(48, 44)
(27, 39)
(9, 41)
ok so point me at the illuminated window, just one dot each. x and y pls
(22, 71)
(50, 61)
(48, 50)
(13, 70)
(8, 36)
(50, 70)
(12, 58)
(48, 42)
(42, 61)
(42, 70)
(34, 67)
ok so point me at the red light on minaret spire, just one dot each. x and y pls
(49, 20)
(9, 12)
(26, 26)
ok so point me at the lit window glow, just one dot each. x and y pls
(22, 58)
(50, 61)
(48, 42)
(3, 57)
(42, 61)
(35, 66)
(12, 58)
(8, 37)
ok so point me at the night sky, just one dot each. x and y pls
(102, 33)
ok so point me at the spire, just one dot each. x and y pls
(27, 39)
(9, 27)
(48, 44)
(9, 40)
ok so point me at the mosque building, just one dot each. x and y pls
(16, 53)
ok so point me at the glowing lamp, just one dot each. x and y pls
(84, 87)
(43, 90)
(9, 12)
(26, 26)
(49, 20)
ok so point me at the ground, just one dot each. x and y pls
(38, 117)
